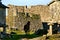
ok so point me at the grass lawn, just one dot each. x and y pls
(19, 35)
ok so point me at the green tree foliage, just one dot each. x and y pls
(35, 16)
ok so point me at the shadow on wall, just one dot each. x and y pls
(54, 28)
(37, 32)
(27, 27)
(45, 29)
(45, 26)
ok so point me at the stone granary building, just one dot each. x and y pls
(49, 16)
(3, 17)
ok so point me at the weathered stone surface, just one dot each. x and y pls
(38, 38)
(55, 10)
(47, 13)
(43, 10)
(16, 18)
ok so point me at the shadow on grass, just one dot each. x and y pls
(14, 36)
(17, 37)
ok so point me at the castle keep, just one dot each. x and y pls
(47, 14)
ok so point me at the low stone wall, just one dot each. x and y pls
(55, 37)
(38, 38)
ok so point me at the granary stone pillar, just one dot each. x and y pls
(50, 29)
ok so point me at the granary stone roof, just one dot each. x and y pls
(52, 2)
(2, 5)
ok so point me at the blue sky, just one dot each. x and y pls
(26, 2)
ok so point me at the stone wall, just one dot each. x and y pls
(43, 10)
(35, 23)
(47, 13)
(12, 13)
(55, 11)
(17, 19)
